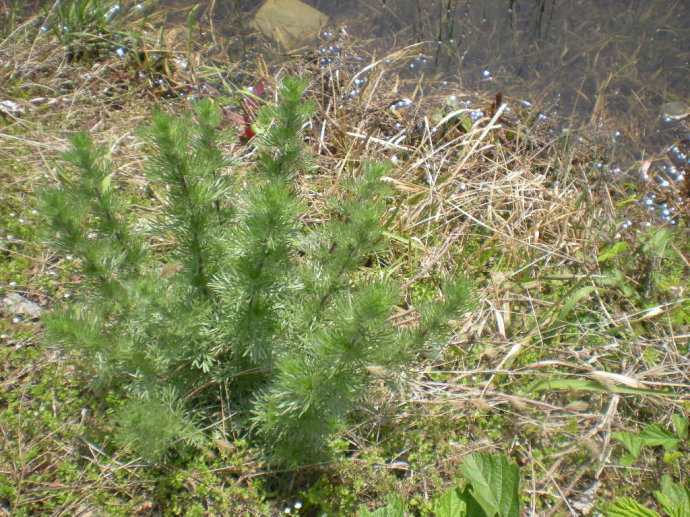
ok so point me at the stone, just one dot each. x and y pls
(290, 23)
(16, 305)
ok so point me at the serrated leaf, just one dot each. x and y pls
(457, 503)
(680, 426)
(655, 434)
(674, 499)
(631, 441)
(670, 457)
(627, 507)
(394, 508)
(449, 504)
(627, 460)
(612, 251)
(495, 483)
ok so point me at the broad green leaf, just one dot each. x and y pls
(573, 299)
(673, 498)
(670, 457)
(655, 434)
(449, 504)
(394, 508)
(657, 245)
(495, 483)
(680, 426)
(465, 123)
(631, 441)
(627, 507)
(612, 251)
(592, 385)
(627, 460)
(404, 240)
(457, 503)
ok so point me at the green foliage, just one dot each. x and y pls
(394, 508)
(632, 443)
(73, 19)
(11, 14)
(646, 268)
(94, 29)
(613, 251)
(39, 420)
(639, 275)
(456, 502)
(151, 426)
(495, 483)
(247, 296)
(17, 223)
(493, 490)
(652, 435)
(673, 498)
(627, 507)
(681, 426)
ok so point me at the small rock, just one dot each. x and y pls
(16, 305)
(676, 110)
(12, 108)
(290, 23)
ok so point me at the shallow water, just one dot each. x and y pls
(605, 64)
(601, 67)
(602, 64)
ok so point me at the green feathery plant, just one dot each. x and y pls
(247, 296)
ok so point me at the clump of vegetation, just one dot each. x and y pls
(247, 297)
(571, 364)
(493, 491)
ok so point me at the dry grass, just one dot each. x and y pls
(523, 207)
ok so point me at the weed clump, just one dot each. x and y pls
(250, 300)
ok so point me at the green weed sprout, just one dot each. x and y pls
(248, 297)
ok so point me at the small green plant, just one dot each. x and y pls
(11, 13)
(394, 508)
(247, 297)
(493, 489)
(673, 498)
(647, 268)
(654, 435)
(92, 29)
(73, 19)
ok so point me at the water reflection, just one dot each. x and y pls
(603, 61)
(615, 71)
(608, 65)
